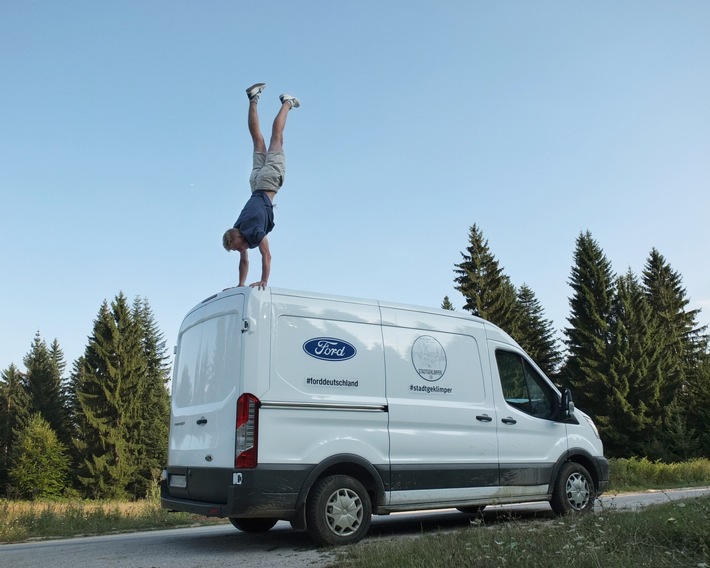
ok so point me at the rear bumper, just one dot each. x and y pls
(218, 492)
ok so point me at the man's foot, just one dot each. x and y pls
(254, 91)
(293, 101)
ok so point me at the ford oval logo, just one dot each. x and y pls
(329, 349)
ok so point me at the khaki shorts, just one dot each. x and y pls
(268, 171)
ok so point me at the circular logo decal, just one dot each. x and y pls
(429, 358)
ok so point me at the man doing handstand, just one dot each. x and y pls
(257, 217)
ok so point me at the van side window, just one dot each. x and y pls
(523, 387)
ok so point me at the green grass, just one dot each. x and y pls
(669, 535)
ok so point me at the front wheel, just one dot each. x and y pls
(573, 491)
(338, 510)
(252, 525)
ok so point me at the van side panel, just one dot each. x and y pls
(326, 394)
(442, 417)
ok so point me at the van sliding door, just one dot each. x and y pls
(443, 444)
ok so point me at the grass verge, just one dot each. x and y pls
(640, 474)
(21, 520)
(660, 536)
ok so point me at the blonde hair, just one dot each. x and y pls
(229, 238)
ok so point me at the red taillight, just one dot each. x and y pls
(247, 420)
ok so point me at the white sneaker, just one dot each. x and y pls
(295, 103)
(254, 91)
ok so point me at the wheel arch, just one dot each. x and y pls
(583, 458)
(346, 464)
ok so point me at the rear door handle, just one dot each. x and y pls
(484, 418)
(509, 421)
(202, 421)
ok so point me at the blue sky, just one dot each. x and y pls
(124, 153)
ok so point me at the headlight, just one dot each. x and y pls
(592, 425)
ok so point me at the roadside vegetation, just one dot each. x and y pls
(641, 474)
(23, 520)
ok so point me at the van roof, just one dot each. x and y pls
(248, 291)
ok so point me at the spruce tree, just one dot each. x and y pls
(536, 334)
(151, 436)
(693, 404)
(108, 390)
(682, 337)
(79, 432)
(633, 410)
(121, 402)
(588, 337)
(45, 367)
(446, 304)
(63, 428)
(14, 416)
(697, 404)
(39, 461)
(686, 388)
(488, 292)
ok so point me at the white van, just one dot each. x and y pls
(324, 410)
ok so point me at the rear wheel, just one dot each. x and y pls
(573, 491)
(338, 510)
(252, 525)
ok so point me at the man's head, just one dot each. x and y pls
(233, 240)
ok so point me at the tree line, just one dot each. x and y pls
(100, 433)
(633, 353)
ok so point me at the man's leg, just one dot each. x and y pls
(276, 144)
(253, 93)
(254, 130)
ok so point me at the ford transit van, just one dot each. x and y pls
(324, 410)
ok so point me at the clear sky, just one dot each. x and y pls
(124, 153)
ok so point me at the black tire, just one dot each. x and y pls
(253, 525)
(338, 511)
(573, 491)
(474, 510)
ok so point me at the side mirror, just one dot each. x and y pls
(567, 406)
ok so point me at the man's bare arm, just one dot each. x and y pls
(265, 264)
(243, 267)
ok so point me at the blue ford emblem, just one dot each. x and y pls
(329, 349)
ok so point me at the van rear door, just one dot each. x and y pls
(207, 381)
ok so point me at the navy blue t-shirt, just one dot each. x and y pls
(256, 219)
